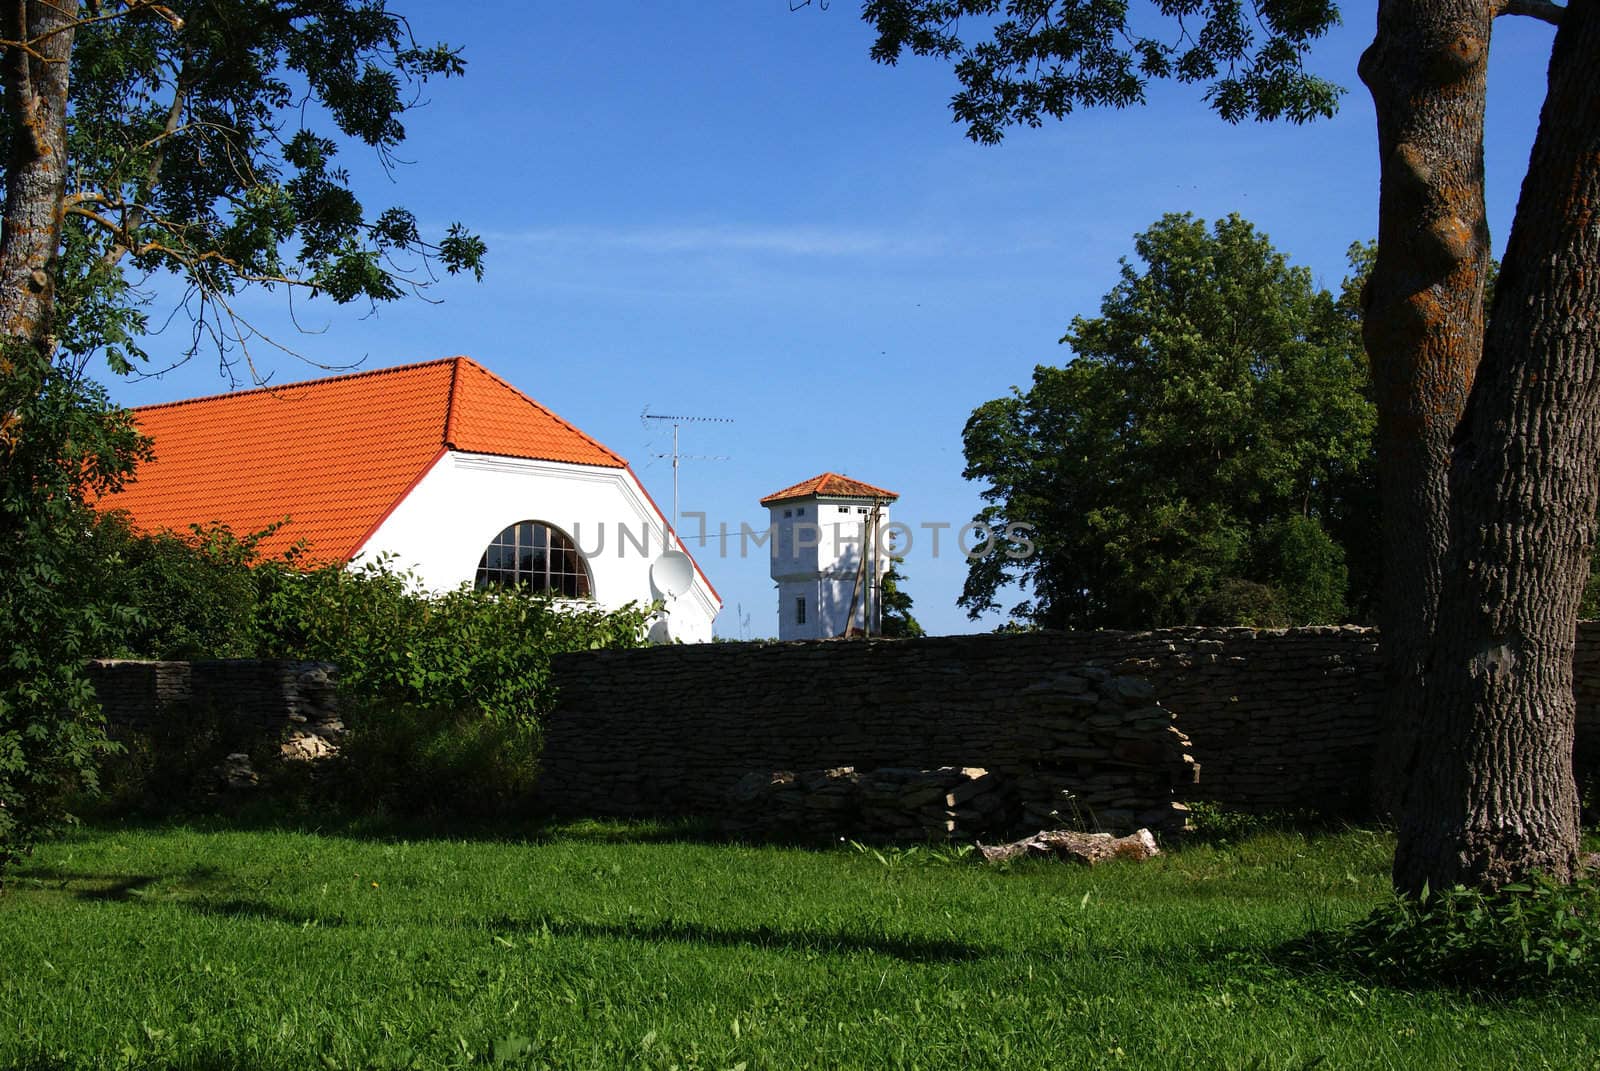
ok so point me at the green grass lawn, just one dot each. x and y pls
(623, 946)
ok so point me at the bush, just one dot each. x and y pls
(1235, 602)
(208, 595)
(1216, 823)
(442, 695)
(1533, 936)
(196, 594)
(61, 444)
(413, 762)
(486, 652)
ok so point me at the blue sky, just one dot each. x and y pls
(726, 209)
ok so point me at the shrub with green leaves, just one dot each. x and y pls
(442, 694)
(1532, 936)
(52, 614)
(195, 593)
(486, 651)
(207, 594)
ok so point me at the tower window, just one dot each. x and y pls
(788, 513)
(800, 610)
(801, 512)
(535, 557)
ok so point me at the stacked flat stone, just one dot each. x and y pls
(888, 804)
(951, 802)
(250, 701)
(1108, 755)
(281, 712)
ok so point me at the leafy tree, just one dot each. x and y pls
(894, 620)
(1189, 463)
(196, 138)
(1491, 469)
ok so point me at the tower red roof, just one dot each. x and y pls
(829, 485)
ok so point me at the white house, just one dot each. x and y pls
(456, 474)
(829, 554)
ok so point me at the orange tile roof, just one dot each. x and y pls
(334, 455)
(831, 485)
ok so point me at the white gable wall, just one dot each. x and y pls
(442, 526)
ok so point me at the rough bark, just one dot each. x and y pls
(1494, 796)
(36, 108)
(1422, 320)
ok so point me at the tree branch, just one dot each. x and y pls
(157, 158)
(134, 7)
(1543, 10)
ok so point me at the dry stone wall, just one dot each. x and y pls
(250, 700)
(1085, 748)
(1275, 718)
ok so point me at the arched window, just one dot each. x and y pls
(537, 557)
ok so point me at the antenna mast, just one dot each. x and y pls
(676, 457)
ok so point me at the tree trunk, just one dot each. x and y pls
(1494, 796)
(36, 173)
(1422, 323)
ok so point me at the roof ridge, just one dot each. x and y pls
(450, 402)
(279, 387)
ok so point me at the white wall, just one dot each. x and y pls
(441, 528)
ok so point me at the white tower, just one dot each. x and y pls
(829, 554)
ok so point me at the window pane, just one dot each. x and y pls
(536, 557)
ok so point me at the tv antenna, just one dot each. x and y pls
(676, 422)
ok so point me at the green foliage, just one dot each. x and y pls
(196, 595)
(1234, 602)
(896, 621)
(1194, 461)
(203, 139)
(208, 595)
(1220, 825)
(485, 651)
(1307, 567)
(413, 762)
(1043, 58)
(1528, 937)
(74, 444)
(442, 695)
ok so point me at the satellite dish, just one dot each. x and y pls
(671, 574)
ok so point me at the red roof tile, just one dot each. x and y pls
(334, 455)
(829, 485)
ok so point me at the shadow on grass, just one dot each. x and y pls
(909, 949)
(392, 829)
(91, 886)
